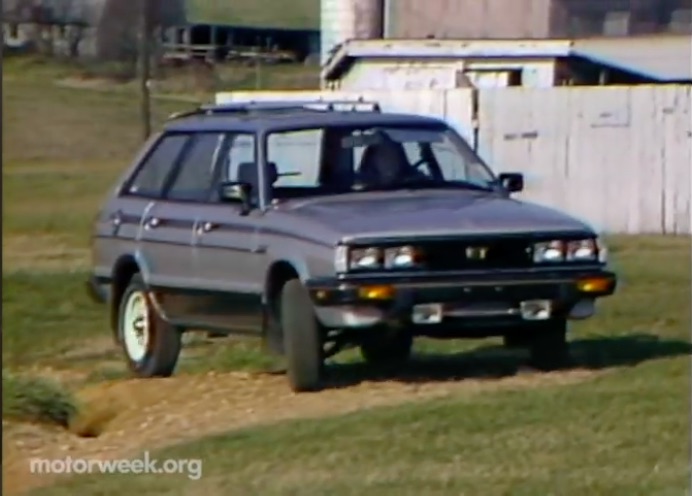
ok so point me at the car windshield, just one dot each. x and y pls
(346, 160)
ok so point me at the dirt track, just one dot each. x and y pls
(150, 414)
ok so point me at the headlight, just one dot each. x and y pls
(549, 252)
(373, 258)
(580, 250)
(583, 250)
(403, 257)
(365, 259)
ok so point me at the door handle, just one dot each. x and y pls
(206, 227)
(116, 218)
(152, 223)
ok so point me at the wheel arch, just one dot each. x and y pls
(278, 274)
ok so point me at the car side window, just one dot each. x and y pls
(240, 151)
(151, 176)
(296, 157)
(237, 163)
(194, 176)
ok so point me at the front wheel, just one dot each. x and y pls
(151, 345)
(303, 338)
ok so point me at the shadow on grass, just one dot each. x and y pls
(495, 362)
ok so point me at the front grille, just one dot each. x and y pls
(477, 254)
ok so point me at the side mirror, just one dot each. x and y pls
(235, 192)
(513, 182)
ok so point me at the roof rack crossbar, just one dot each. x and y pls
(254, 106)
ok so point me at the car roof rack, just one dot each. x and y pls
(275, 106)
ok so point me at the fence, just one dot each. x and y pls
(618, 157)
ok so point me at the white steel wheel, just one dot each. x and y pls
(150, 344)
(136, 326)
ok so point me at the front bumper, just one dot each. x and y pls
(481, 299)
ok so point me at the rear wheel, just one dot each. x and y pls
(387, 350)
(151, 345)
(548, 346)
(303, 338)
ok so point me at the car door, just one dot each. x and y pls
(227, 259)
(140, 203)
(169, 225)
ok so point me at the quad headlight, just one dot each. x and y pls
(581, 250)
(374, 258)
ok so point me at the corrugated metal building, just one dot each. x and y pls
(499, 19)
(534, 18)
(448, 64)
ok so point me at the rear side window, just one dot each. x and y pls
(195, 174)
(151, 177)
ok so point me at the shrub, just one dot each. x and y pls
(36, 400)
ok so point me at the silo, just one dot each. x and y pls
(343, 20)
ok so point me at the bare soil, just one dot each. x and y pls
(127, 417)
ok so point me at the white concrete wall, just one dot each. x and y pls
(367, 74)
(617, 157)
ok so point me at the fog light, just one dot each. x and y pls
(594, 285)
(536, 309)
(428, 313)
(376, 292)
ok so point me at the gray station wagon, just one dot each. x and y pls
(322, 226)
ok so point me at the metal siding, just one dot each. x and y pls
(411, 74)
(434, 51)
(665, 58)
(455, 106)
(400, 75)
(617, 157)
(468, 18)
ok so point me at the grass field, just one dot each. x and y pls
(461, 421)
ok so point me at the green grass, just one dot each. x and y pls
(623, 432)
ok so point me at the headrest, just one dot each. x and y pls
(247, 173)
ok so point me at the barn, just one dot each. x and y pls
(404, 44)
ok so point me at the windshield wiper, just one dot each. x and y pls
(418, 183)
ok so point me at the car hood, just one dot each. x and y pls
(430, 212)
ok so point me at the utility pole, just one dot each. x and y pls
(145, 65)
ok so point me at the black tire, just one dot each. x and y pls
(303, 338)
(388, 350)
(548, 347)
(163, 341)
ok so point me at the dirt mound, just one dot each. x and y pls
(124, 418)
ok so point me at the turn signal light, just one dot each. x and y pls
(376, 292)
(594, 285)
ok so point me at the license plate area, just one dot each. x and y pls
(536, 309)
(427, 313)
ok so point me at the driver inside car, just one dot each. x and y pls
(384, 164)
